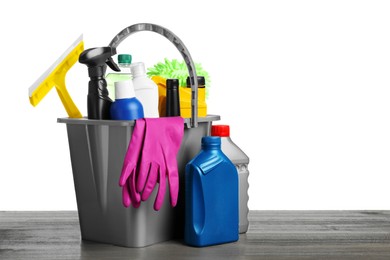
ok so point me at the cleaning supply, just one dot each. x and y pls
(173, 99)
(241, 161)
(185, 99)
(145, 89)
(178, 70)
(130, 196)
(124, 61)
(55, 76)
(96, 60)
(201, 82)
(98, 149)
(156, 161)
(202, 106)
(175, 69)
(175, 40)
(126, 105)
(211, 197)
(162, 142)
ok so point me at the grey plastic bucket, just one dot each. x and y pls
(97, 149)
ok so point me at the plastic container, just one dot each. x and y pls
(145, 89)
(126, 105)
(185, 98)
(124, 61)
(211, 197)
(98, 101)
(97, 149)
(241, 161)
(173, 99)
(201, 82)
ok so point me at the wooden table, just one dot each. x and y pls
(271, 235)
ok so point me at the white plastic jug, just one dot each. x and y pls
(241, 161)
(146, 90)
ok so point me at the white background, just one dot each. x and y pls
(305, 86)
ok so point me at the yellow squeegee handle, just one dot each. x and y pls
(59, 81)
(70, 107)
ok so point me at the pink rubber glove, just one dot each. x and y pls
(127, 180)
(162, 141)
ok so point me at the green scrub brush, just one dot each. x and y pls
(173, 69)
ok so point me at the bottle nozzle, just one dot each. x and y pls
(110, 62)
(99, 57)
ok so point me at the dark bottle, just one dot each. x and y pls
(173, 98)
(96, 60)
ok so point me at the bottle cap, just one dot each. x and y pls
(124, 59)
(211, 141)
(172, 83)
(124, 89)
(137, 69)
(201, 82)
(220, 130)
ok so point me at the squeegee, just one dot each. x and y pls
(55, 77)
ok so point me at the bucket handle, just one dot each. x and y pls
(181, 48)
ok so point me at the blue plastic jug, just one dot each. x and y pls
(211, 197)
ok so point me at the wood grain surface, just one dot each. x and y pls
(271, 235)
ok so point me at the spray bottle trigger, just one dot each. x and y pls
(110, 62)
